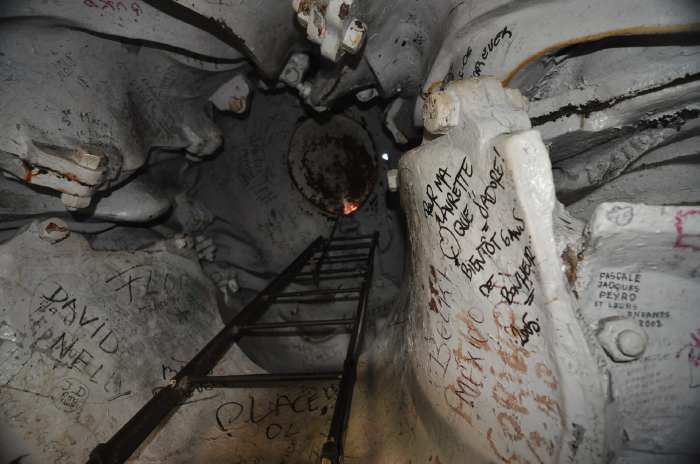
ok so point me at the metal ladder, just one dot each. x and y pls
(340, 258)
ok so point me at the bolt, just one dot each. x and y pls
(366, 94)
(354, 36)
(291, 75)
(294, 70)
(237, 105)
(631, 343)
(182, 242)
(621, 338)
(53, 230)
(87, 160)
(202, 143)
(233, 95)
(232, 285)
(228, 288)
(304, 90)
(441, 111)
(206, 249)
(74, 202)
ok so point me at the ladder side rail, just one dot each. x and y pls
(261, 380)
(341, 413)
(317, 268)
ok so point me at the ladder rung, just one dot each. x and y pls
(359, 246)
(318, 291)
(330, 277)
(342, 260)
(323, 299)
(347, 239)
(355, 255)
(260, 380)
(295, 324)
(328, 272)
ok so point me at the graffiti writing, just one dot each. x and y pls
(521, 280)
(232, 415)
(683, 238)
(116, 6)
(490, 47)
(528, 329)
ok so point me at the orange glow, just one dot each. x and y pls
(349, 207)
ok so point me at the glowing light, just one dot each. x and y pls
(385, 156)
(349, 207)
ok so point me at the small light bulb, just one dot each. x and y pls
(385, 156)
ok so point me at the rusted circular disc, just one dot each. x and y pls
(333, 164)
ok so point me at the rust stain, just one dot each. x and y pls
(497, 319)
(534, 453)
(505, 376)
(516, 433)
(545, 373)
(489, 437)
(70, 176)
(538, 440)
(28, 172)
(549, 406)
(474, 335)
(237, 105)
(508, 400)
(515, 358)
(53, 227)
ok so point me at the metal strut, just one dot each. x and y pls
(195, 373)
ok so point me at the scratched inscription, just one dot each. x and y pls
(484, 335)
(115, 6)
(282, 419)
(72, 331)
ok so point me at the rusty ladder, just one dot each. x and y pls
(340, 258)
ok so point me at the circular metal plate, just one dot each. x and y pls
(333, 164)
